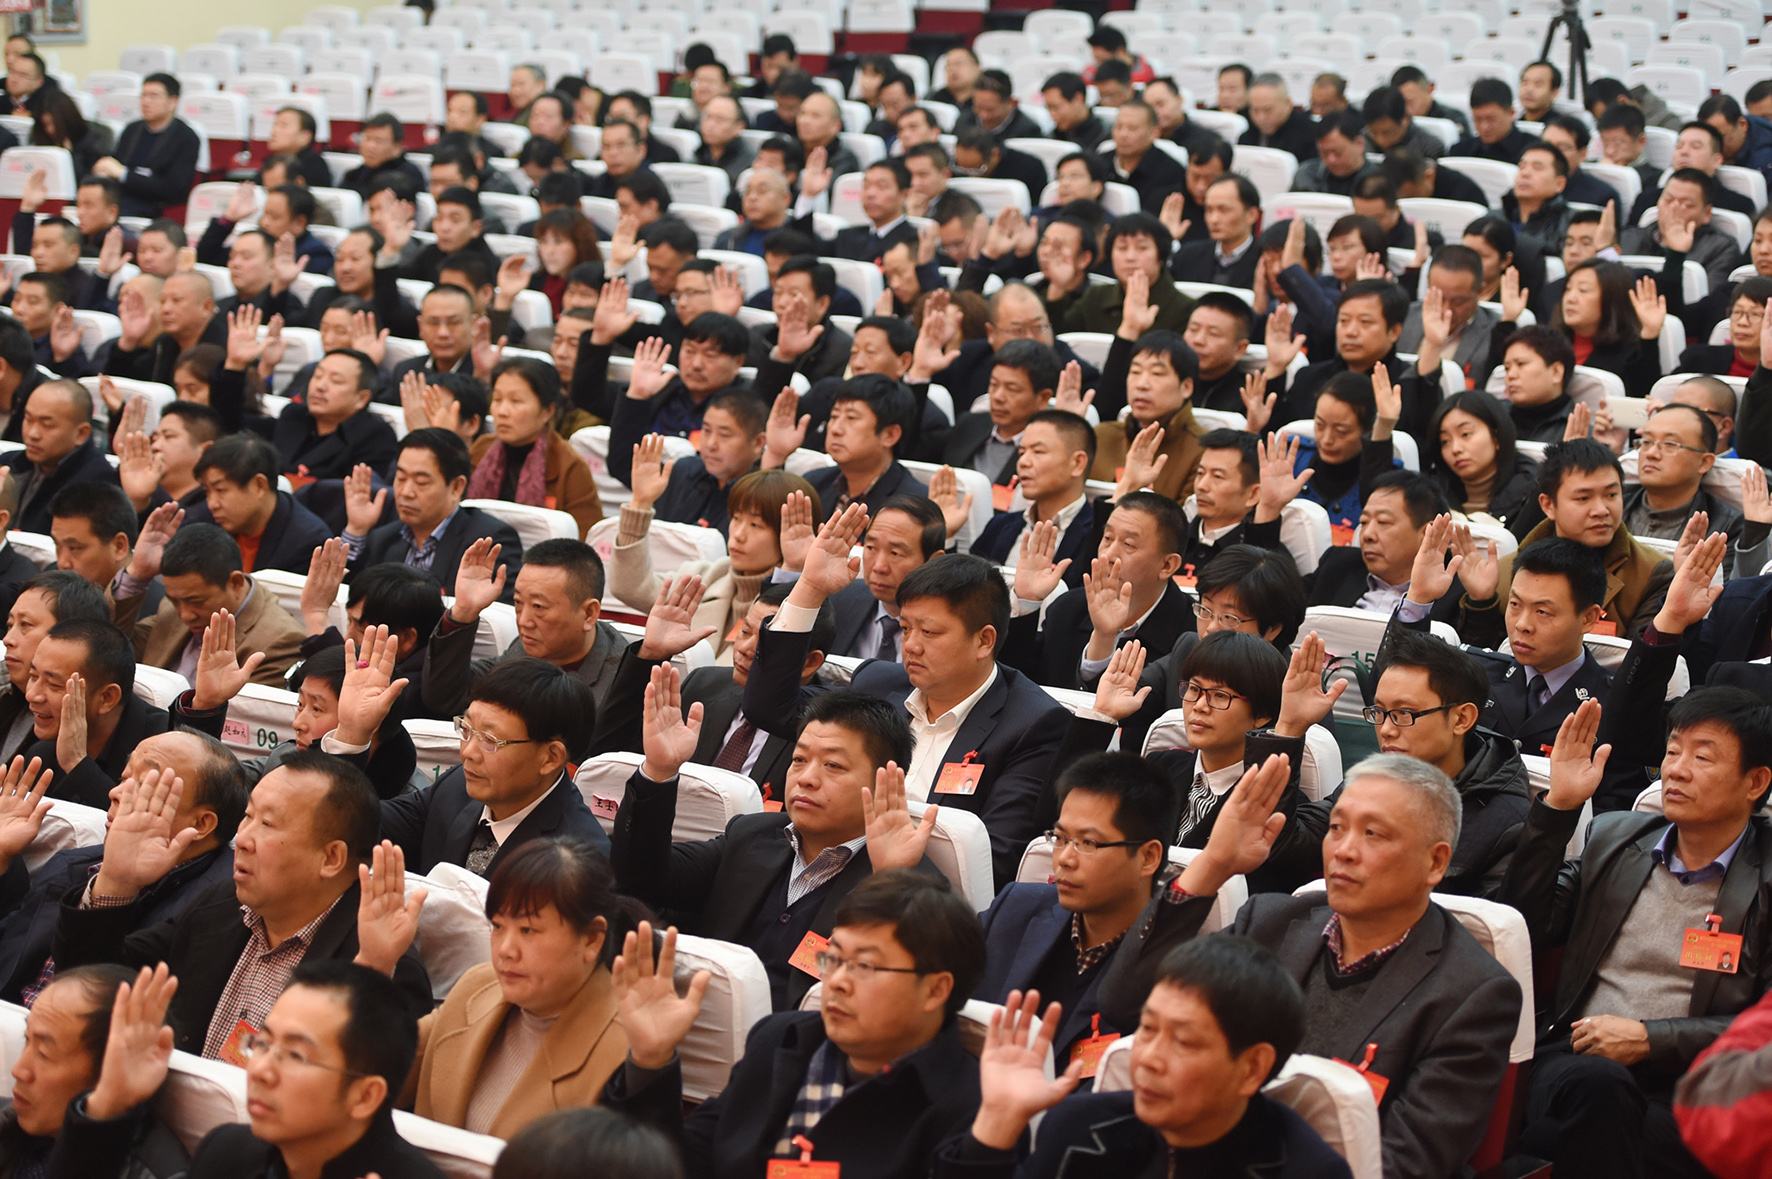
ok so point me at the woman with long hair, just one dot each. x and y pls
(1613, 324)
(1477, 463)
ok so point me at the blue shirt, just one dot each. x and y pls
(1664, 855)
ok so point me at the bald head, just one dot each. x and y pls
(1716, 400)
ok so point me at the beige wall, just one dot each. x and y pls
(113, 24)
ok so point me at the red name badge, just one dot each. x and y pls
(805, 955)
(1364, 1068)
(960, 777)
(802, 1167)
(608, 808)
(1185, 579)
(232, 1049)
(1090, 1051)
(695, 439)
(769, 803)
(732, 635)
(1604, 626)
(1000, 497)
(1342, 534)
(1710, 948)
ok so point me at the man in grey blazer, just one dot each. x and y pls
(1457, 274)
(1393, 984)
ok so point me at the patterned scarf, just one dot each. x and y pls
(532, 488)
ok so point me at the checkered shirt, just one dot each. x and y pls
(259, 978)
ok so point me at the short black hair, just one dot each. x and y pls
(554, 704)
(1211, 146)
(451, 452)
(396, 595)
(791, 151)
(1138, 225)
(204, 549)
(1384, 102)
(1113, 70)
(1353, 390)
(644, 185)
(1068, 83)
(1249, 993)
(1346, 122)
(558, 188)
(970, 586)
(795, 243)
(349, 811)
(725, 332)
(1736, 709)
(1376, 186)
(1146, 806)
(889, 401)
(99, 982)
(1267, 586)
(301, 202)
(561, 1143)
(1241, 441)
(1107, 37)
(1273, 239)
(1243, 662)
(901, 337)
(746, 408)
(380, 1036)
(1582, 567)
(776, 43)
(110, 655)
(1581, 455)
(1392, 298)
(1552, 346)
(937, 927)
(1559, 163)
(1491, 92)
(386, 120)
(68, 595)
(1452, 675)
(883, 727)
(923, 511)
(1705, 183)
(168, 81)
(1039, 361)
(478, 267)
(1619, 116)
(1225, 303)
(55, 285)
(1171, 521)
(1461, 258)
(1422, 497)
(1707, 429)
(240, 457)
(540, 375)
(1073, 427)
(1173, 348)
(104, 506)
(584, 568)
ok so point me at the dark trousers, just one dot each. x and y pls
(1589, 1116)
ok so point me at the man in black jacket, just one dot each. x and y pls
(1057, 448)
(156, 156)
(1228, 257)
(239, 478)
(54, 246)
(434, 528)
(1139, 162)
(874, 1081)
(147, 350)
(1396, 520)
(383, 148)
(1275, 122)
(309, 824)
(1635, 1001)
(1067, 101)
(714, 348)
(695, 489)
(331, 430)
(883, 188)
(57, 434)
(979, 153)
(1492, 118)
(868, 417)
(1024, 374)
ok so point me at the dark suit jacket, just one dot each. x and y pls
(361, 438)
(91, 780)
(1100, 1134)
(855, 608)
(1734, 629)
(231, 1152)
(1051, 653)
(1012, 731)
(967, 438)
(1441, 1010)
(1198, 262)
(289, 538)
(202, 945)
(1341, 581)
(1023, 926)
(860, 241)
(15, 570)
(999, 541)
(384, 545)
(85, 464)
(164, 176)
(1581, 904)
(1298, 135)
(435, 825)
(896, 481)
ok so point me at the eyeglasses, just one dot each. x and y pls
(1037, 329)
(488, 743)
(1665, 445)
(1216, 698)
(1204, 613)
(828, 963)
(1747, 314)
(1400, 717)
(255, 1045)
(1062, 842)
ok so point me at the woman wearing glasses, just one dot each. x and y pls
(535, 1030)
(1740, 354)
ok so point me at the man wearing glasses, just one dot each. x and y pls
(1464, 326)
(1675, 450)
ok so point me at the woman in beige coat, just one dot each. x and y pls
(730, 583)
(536, 1029)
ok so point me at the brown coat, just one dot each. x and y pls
(1181, 442)
(263, 625)
(570, 487)
(580, 1053)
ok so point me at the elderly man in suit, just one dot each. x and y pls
(559, 608)
(434, 527)
(1391, 981)
(906, 533)
(985, 733)
(201, 570)
(1463, 326)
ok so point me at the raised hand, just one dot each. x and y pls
(139, 469)
(1258, 403)
(612, 319)
(796, 531)
(728, 292)
(1303, 700)
(1109, 596)
(71, 743)
(1477, 563)
(368, 341)
(1036, 576)
(1691, 593)
(1372, 266)
(1069, 395)
(670, 624)
(956, 509)
(1171, 216)
(442, 410)
(1607, 234)
(402, 223)
(479, 581)
(1144, 463)
(243, 345)
(486, 354)
(369, 689)
(1245, 830)
(1436, 322)
(624, 245)
(135, 319)
(815, 177)
(653, 1015)
(1292, 253)
(1278, 457)
(667, 737)
(1581, 420)
(895, 840)
(387, 919)
(139, 1046)
(1576, 767)
(1000, 236)
(1677, 233)
(412, 400)
(1696, 529)
(1513, 299)
(36, 191)
(150, 543)
(829, 568)
(795, 333)
(1421, 245)
(784, 433)
(271, 351)
(1389, 400)
(514, 274)
(319, 591)
(64, 333)
(1756, 504)
(110, 254)
(651, 471)
(1137, 314)
(135, 412)
(1117, 693)
(140, 844)
(242, 202)
(1012, 1080)
(22, 805)
(286, 264)
(1027, 236)
(220, 674)
(928, 242)
(1430, 579)
(932, 354)
(363, 506)
(1650, 306)
(1282, 346)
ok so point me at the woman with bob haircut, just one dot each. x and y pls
(536, 1029)
(730, 583)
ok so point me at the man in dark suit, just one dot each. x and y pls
(883, 189)
(868, 417)
(214, 798)
(985, 733)
(333, 428)
(1132, 595)
(904, 950)
(1391, 980)
(714, 348)
(563, 581)
(1057, 449)
(1492, 120)
(309, 824)
(1737, 629)
(1402, 511)
(979, 153)
(751, 885)
(906, 532)
(434, 528)
(1139, 162)
(1024, 374)
(1631, 1010)
(156, 156)
(530, 721)
(1275, 122)
(729, 739)
(239, 479)
(1227, 495)
(1229, 255)
(1116, 816)
(57, 434)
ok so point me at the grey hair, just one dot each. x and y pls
(1434, 790)
(1269, 79)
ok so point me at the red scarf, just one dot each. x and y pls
(488, 478)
